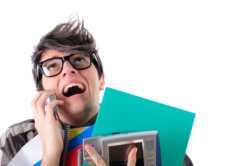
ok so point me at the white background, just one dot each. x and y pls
(193, 55)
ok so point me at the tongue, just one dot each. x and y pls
(73, 91)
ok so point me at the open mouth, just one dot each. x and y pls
(73, 89)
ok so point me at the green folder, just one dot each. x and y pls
(124, 112)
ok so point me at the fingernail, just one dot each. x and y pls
(87, 147)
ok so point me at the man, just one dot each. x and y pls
(65, 64)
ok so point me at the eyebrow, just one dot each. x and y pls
(55, 57)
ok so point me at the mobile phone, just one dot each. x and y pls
(49, 100)
(55, 109)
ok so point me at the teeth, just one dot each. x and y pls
(71, 85)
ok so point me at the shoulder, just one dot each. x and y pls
(24, 130)
(14, 138)
(20, 128)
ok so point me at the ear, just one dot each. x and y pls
(102, 82)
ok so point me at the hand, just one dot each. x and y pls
(98, 160)
(47, 127)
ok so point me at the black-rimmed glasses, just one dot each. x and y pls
(52, 67)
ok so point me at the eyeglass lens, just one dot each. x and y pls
(54, 66)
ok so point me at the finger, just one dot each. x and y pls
(49, 110)
(132, 157)
(38, 102)
(54, 103)
(33, 102)
(94, 155)
(35, 106)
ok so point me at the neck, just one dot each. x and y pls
(82, 119)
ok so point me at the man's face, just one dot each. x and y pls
(79, 89)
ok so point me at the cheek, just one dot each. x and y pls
(93, 80)
(48, 83)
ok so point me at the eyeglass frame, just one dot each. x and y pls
(92, 57)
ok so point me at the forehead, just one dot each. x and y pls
(49, 53)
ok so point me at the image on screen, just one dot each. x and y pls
(118, 152)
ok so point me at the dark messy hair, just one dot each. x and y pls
(70, 37)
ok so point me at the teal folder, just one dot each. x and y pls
(124, 112)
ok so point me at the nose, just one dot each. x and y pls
(67, 69)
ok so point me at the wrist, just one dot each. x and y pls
(51, 159)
